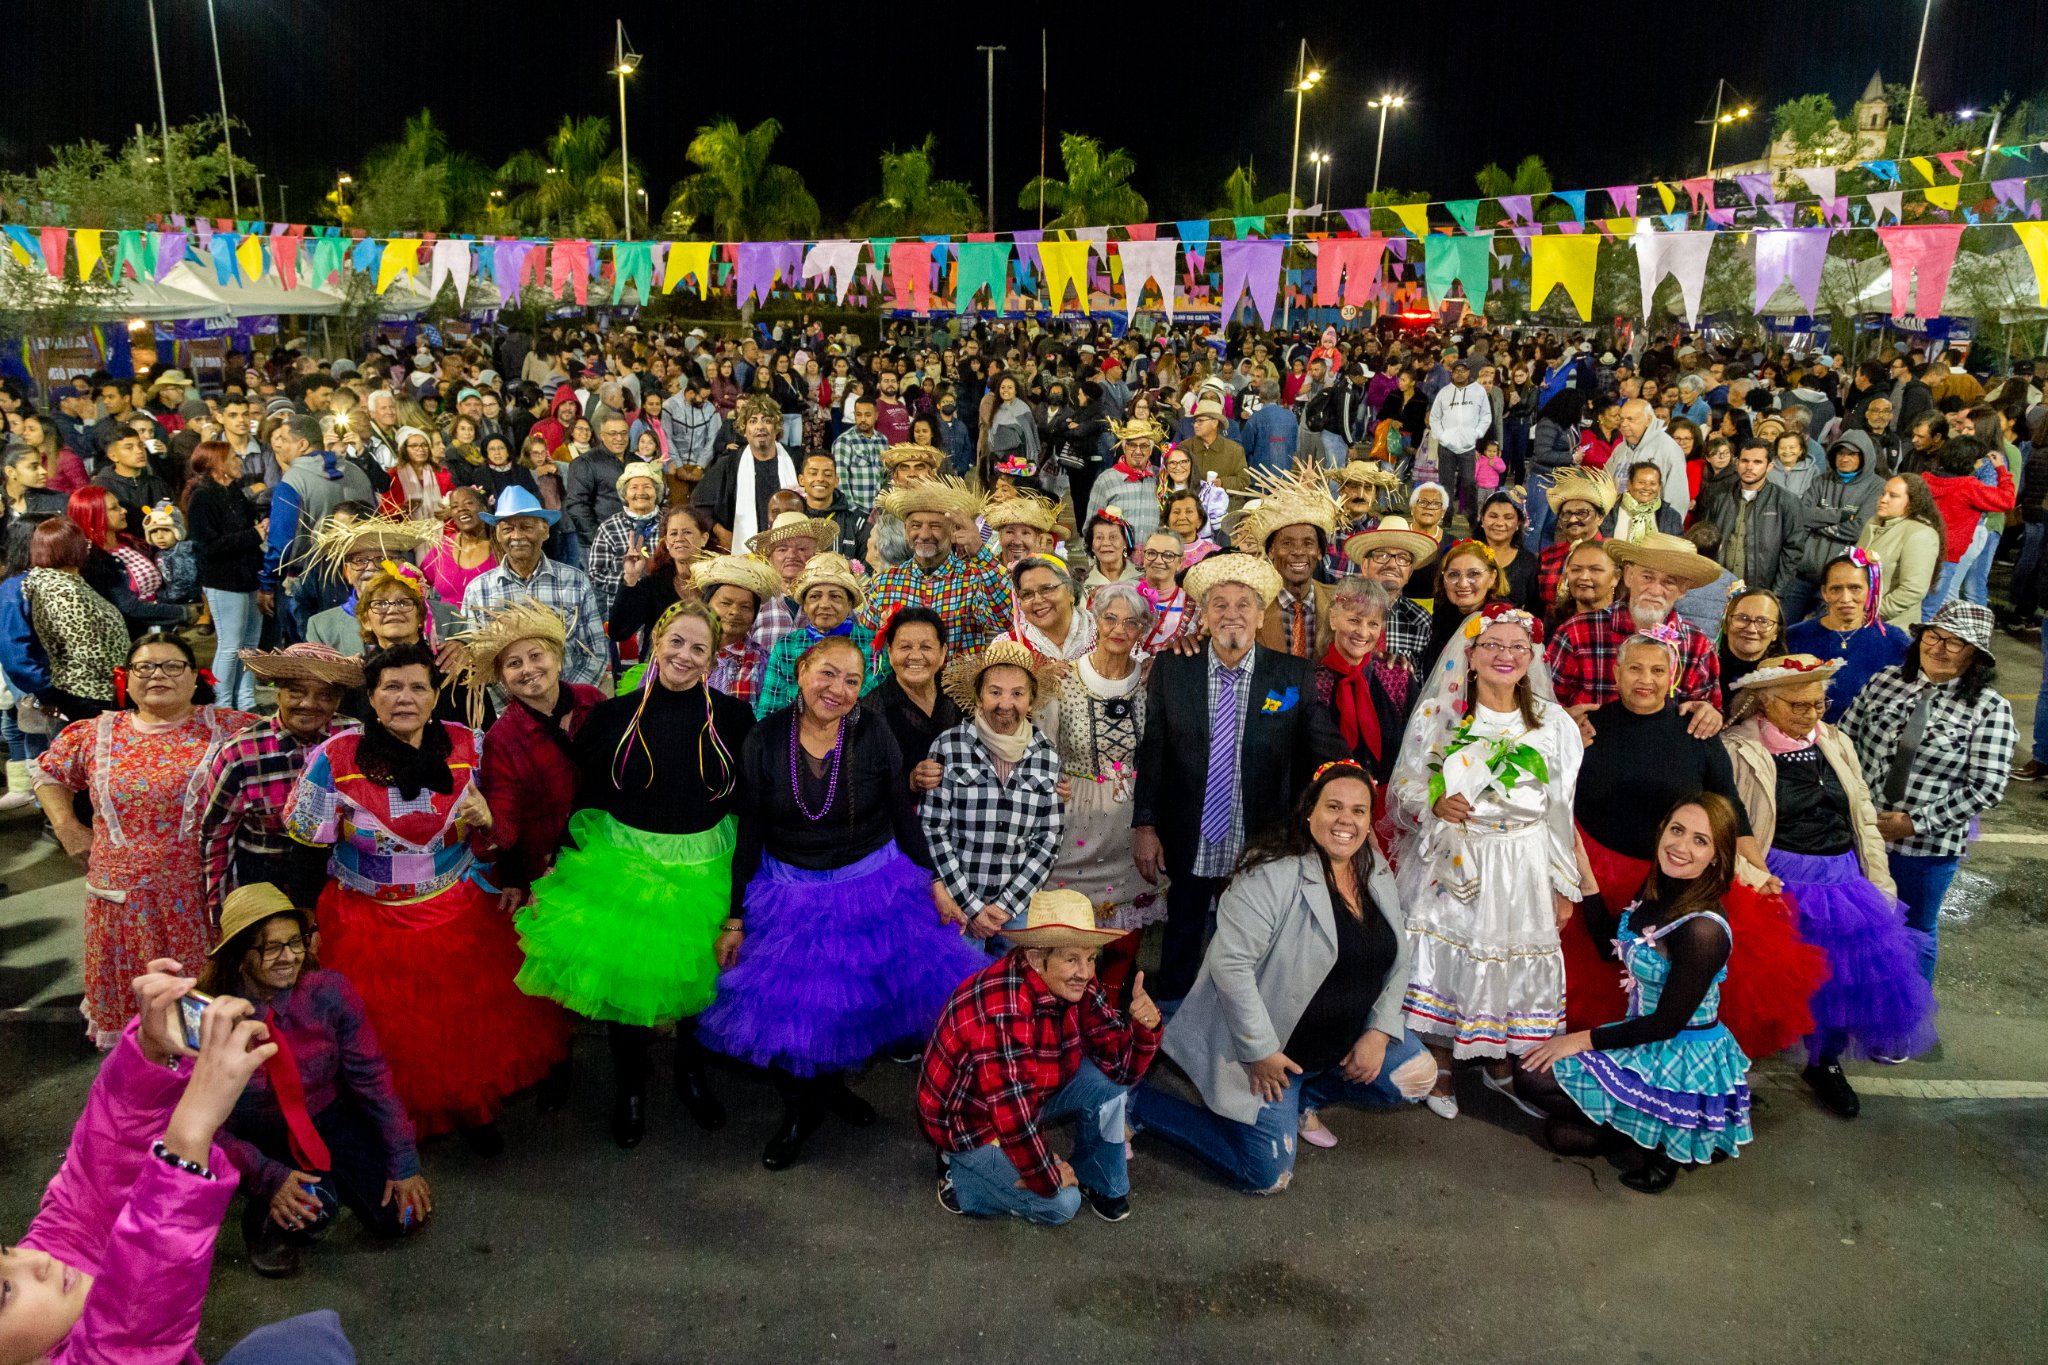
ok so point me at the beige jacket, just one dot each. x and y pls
(1756, 778)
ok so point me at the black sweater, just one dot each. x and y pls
(1637, 768)
(1698, 949)
(223, 529)
(660, 788)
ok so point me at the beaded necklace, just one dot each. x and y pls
(796, 786)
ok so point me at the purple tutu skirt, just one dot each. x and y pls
(837, 966)
(1874, 993)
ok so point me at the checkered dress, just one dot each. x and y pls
(1960, 768)
(992, 842)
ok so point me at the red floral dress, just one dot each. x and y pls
(145, 894)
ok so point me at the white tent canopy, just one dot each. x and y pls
(263, 297)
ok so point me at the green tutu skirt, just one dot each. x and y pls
(623, 928)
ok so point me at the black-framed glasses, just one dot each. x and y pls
(270, 954)
(167, 668)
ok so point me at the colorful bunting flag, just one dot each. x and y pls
(1795, 254)
(1944, 196)
(1575, 200)
(1757, 185)
(910, 275)
(2034, 237)
(1681, 255)
(1567, 261)
(1357, 261)
(1464, 212)
(1449, 260)
(1145, 262)
(87, 241)
(1414, 217)
(1886, 201)
(1926, 252)
(1253, 268)
(1066, 266)
(1922, 165)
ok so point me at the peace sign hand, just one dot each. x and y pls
(636, 560)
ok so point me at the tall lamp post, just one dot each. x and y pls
(1913, 89)
(1318, 160)
(991, 52)
(163, 116)
(1720, 117)
(227, 132)
(625, 62)
(1383, 103)
(1306, 78)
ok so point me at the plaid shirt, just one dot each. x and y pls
(567, 591)
(1003, 1047)
(777, 686)
(1584, 651)
(860, 466)
(250, 781)
(992, 842)
(606, 562)
(1550, 575)
(972, 596)
(1960, 768)
(737, 671)
(1407, 630)
(778, 618)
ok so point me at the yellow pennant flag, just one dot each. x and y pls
(1664, 193)
(250, 256)
(1064, 264)
(687, 258)
(1414, 217)
(88, 242)
(400, 254)
(1619, 228)
(1944, 196)
(1924, 166)
(1567, 260)
(2034, 237)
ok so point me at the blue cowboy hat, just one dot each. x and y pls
(517, 502)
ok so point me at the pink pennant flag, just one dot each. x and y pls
(1573, 228)
(1927, 251)
(1142, 232)
(569, 264)
(1357, 260)
(284, 254)
(1699, 189)
(1954, 162)
(1724, 218)
(56, 241)
(1835, 211)
(1624, 197)
(1796, 254)
(910, 270)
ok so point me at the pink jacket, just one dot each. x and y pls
(143, 1229)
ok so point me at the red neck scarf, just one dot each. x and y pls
(1357, 718)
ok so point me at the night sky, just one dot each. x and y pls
(1605, 92)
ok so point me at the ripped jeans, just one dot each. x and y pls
(1258, 1158)
(986, 1181)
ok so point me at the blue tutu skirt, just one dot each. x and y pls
(1874, 993)
(837, 966)
(1688, 1095)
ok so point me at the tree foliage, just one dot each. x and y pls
(1096, 189)
(1531, 176)
(570, 184)
(739, 193)
(88, 184)
(418, 183)
(913, 202)
(1813, 125)
(1241, 197)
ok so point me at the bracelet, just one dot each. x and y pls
(164, 1154)
(734, 926)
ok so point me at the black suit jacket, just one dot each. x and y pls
(1280, 751)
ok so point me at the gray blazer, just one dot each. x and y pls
(1276, 939)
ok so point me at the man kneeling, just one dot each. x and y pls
(1026, 1042)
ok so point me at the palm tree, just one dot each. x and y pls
(571, 183)
(1094, 192)
(738, 193)
(1241, 197)
(912, 203)
(417, 183)
(1531, 177)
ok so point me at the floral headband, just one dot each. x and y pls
(1667, 636)
(1351, 763)
(1503, 614)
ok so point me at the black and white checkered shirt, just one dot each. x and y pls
(993, 842)
(1407, 630)
(1960, 768)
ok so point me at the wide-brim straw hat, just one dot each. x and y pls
(1060, 919)
(392, 537)
(1251, 571)
(1145, 430)
(1789, 670)
(1393, 533)
(1368, 474)
(1582, 483)
(640, 469)
(305, 662)
(942, 493)
(1674, 555)
(1022, 510)
(821, 531)
(524, 620)
(251, 904)
(757, 576)
(1296, 497)
(910, 452)
(962, 679)
(832, 570)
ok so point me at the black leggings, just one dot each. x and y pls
(1565, 1128)
(356, 1150)
(630, 1043)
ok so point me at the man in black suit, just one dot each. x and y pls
(1232, 736)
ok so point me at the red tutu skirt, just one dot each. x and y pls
(437, 979)
(1772, 971)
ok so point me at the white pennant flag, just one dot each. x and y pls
(1886, 201)
(1819, 179)
(1153, 261)
(834, 260)
(1681, 255)
(451, 259)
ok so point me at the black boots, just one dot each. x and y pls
(803, 1109)
(1656, 1175)
(629, 1082)
(629, 1116)
(693, 1080)
(1832, 1089)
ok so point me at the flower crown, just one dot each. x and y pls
(1503, 614)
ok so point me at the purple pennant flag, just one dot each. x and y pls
(1358, 220)
(1399, 246)
(1251, 266)
(1757, 185)
(1624, 197)
(1574, 228)
(1836, 210)
(1520, 209)
(753, 269)
(1795, 254)
(2012, 191)
(1721, 217)
(1782, 212)
(170, 252)
(1524, 231)
(1026, 262)
(508, 263)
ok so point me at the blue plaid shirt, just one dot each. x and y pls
(566, 591)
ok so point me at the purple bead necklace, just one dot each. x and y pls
(796, 785)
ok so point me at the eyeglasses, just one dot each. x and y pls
(270, 954)
(1749, 622)
(1119, 622)
(1801, 708)
(396, 606)
(1162, 556)
(1943, 642)
(1383, 557)
(171, 668)
(1038, 594)
(1495, 647)
(365, 561)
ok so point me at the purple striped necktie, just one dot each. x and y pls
(1216, 795)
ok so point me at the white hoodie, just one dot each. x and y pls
(1460, 416)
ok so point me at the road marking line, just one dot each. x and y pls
(1904, 1088)
(2012, 837)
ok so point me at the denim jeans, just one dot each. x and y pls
(793, 432)
(1923, 884)
(2041, 708)
(356, 1150)
(1957, 579)
(1537, 539)
(237, 625)
(1798, 601)
(1976, 570)
(986, 1181)
(1944, 588)
(1256, 1156)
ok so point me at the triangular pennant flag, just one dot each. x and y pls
(1414, 217)
(1246, 226)
(753, 268)
(569, 268)
(1887, 171)
(837, 263)
(1145, 262)
(1358, 220)
(1665, 193)
(1251, 268)
(56, 244)
(1723, 218)
(1566, 261)
(2011, 191)
(1835, 211)
(1523, 232)
(1953, 162)
(1926, 251)
(25, 245)
(910, 273)
(1699, 189)
(1883, 202)
(1681, 255)
(1796, 254)
(1025, 266)
(254, 255)
(690, 260)
(1519, 207)
(1449, 260)
(284, 257)
(401, 256)
(1065, 265)
(1819, 180)
(170, 253)
(1782, 213)
(1142, 232)
(88, 243)
(1357, 261)
(1464, 212)
(451, 261)
(1618, 228)
(2034, 237)
(1673, 222)
(1756, 184)
(226, 268)
(1922, 165)
(1575, 200)
(131, 252)
(1943, 196)
(1194, 242)
(1624, 197)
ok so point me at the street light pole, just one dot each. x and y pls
(1383, 103)
(624, 63)
(1304, 81)
(1912, 90)
(1719, 118)
(163, 116)
(991, 51)
(1317, 160)
(226, 130)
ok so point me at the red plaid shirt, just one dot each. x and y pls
(1586, 648)
(1550, 576)
(1004, 1045)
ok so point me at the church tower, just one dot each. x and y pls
(1873, 119)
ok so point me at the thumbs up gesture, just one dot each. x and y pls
(1143, 1012)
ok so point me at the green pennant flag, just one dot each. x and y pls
(634, 262)
(1246, 226)
(1465, 211)
(1448, 260)
(983, 265)
(137, 250)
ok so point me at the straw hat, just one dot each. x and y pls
(1251, 571)
(757, 576)
(1577, 482)
(305, 662)
(962, 680)
(833, 570)
(392, 537)
(1674, 555)
(942, 493)
(1147, 430)
(522, 620)
(910, 452)
(1393, 533)
(1368, 474)
(168, 379)
(1022, 510)
(1060, 919)
(1296, 497)
(795, 526)
(1787, 670)
(640, 469)
(247, 905)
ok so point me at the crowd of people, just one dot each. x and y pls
(1420, 708)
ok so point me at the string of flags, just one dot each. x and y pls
(1351, 267)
